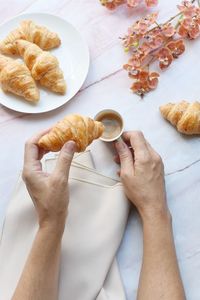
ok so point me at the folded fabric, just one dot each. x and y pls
(98, 211)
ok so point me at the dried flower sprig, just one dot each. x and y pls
(148, 41)
(112, 4)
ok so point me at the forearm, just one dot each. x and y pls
(160, 276)
(39, 280)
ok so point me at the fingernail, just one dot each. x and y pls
(70, 146)
(120, 146)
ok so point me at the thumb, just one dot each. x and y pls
(125, 156)
(65, 158)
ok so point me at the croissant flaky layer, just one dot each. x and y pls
(82, 130)
(43, 65)
(31, 32)
(16, 78)
(184, 116)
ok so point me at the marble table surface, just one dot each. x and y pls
(107, 86)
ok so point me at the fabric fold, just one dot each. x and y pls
(98, 211)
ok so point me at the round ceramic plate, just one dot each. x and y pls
(73, 56)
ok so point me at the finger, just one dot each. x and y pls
(38, 135)
(33, 154)
(138, 143)
(116, 159)
(154, 153)
(32, 151)
(42, 152)
(125, 156)
(151, 148)
(127, 141)
(64, 160)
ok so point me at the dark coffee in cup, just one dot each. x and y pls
(113, 124)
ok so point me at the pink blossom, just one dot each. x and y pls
(112, 4)
(151, 3)
(133, 3)
(168, 30)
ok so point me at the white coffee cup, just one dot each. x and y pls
(113, 123)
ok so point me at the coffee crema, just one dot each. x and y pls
(112, 123)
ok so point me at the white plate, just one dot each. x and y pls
(73, 55)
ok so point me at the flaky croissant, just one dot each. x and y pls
(81, 130)
(43, 65)
(184, 115)
(31, 32)
(16, 78)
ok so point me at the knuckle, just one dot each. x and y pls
(134, 133)
(157, 163)
(124, 155)
(145, 159)
(158, 159)
(26, 174)
(27, 143)
(58, 180)
(138, 133)
(124, 175)
(65, 160)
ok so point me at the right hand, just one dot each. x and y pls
(49, 192)
(142, 174)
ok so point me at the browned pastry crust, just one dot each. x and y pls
(43, 65)
(31, 32)
(81, 130)
(16, 78)
(184, 116)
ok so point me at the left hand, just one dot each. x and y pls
(142, 175)
(49, 192)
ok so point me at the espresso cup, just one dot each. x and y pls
(113, 123)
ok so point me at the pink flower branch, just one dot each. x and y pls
(112, 4)
(163, 43)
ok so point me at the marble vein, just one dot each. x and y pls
(20, 116)
(100, 80)
(184, 168)
(193, 254)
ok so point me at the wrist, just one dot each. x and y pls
(51, 235)
(155, 216)
(55, 226)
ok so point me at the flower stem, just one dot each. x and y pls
(152, 59)
(159, 25)
(174, 17)
(171, 19)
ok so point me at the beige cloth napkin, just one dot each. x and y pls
(98, 212)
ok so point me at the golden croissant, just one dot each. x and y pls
(31, 32)
(184, 115)
(81, 130)
(16, 78)
(43, 65)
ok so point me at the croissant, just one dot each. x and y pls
(81, 130)
(31, 32)
(16, 78)
(184, 115)
(43, 66)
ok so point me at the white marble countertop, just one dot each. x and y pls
(107, 86)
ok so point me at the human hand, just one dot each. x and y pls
(49, 192)
(142, 174)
